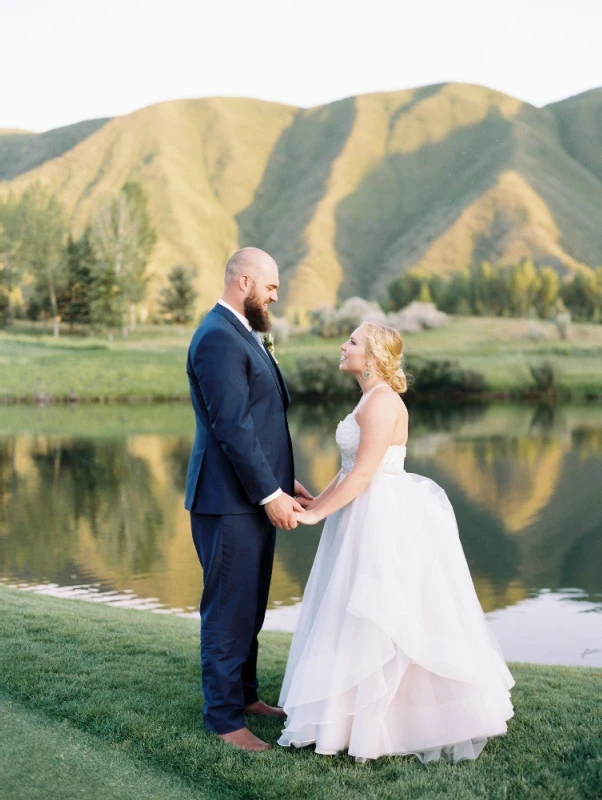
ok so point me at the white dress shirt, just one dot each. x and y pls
(246, 323)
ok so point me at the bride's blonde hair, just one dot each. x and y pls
(385, 346)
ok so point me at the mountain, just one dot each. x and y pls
(21, 151)
(346, 195)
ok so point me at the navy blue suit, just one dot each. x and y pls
(242, 453)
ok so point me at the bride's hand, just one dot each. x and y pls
(308, 517)
(309, 505)
(303, 501)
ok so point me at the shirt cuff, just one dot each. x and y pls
(269, 499)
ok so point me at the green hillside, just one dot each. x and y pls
(347, 195)
(580, 128)
(21, 151)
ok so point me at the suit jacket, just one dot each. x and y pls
(242, 449)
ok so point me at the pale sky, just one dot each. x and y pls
(62, 61)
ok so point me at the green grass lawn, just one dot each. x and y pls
(109, 699)
(43, 758)
(150, 364)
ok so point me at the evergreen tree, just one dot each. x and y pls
(177, 300)
(403, 290)
(80, 280)
(106, 301)
(456, 297)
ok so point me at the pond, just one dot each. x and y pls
(91, 506)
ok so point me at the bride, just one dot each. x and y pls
(392, 654)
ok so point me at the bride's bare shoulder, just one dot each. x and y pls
(381, 403)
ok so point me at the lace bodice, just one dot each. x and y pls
(348, 441)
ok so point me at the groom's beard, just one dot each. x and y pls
(257, 315)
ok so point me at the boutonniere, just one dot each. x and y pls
(268, 343)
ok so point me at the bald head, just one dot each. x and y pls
(251, 284)
(249, 261)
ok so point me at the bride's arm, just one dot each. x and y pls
(377, 425)
(325, 492)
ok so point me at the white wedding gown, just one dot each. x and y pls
(392, 653)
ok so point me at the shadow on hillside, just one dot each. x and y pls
(570, 189)
(415, 197)
(294, 182)
(22, 152)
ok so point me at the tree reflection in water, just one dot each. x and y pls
(524, 483)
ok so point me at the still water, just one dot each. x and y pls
(91, 505)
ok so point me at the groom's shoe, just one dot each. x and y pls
(245, 740)
(259, 707)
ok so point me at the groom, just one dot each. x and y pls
(240, 487)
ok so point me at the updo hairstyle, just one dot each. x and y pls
(385, 346)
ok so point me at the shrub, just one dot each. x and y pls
(318, 377)
(429, 377)
(545, 376)
(416, 317)
(4, 304)
(330, 322)
(563, 324)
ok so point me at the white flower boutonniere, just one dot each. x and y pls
(268, 343)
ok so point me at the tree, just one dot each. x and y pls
(11, 234)
(548, 287)
(403, 290)
(3, 308)
(42, 248)
(521, 286)
(455, 299)
(106, 301)
(177, 300)
(122, 239)
(424, 295)
(485, 289)
(583, 294)
(80, 280)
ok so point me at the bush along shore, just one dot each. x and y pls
(469, 359)
(113, 697)
(315, 378)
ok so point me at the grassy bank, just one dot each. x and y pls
(150, 364)
(114, 694)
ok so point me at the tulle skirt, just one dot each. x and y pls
(392, 653)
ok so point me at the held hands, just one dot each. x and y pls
(281, 511)
(302, 496)
(308, 517)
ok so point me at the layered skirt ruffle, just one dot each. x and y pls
(392, 653)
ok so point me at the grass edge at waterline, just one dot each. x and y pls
(131, 679)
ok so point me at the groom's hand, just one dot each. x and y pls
(302, 496)
(281, 511)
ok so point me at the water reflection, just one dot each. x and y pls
(97, 499)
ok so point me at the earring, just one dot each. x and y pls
(367, 372)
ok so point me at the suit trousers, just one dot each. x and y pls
(236, 552)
